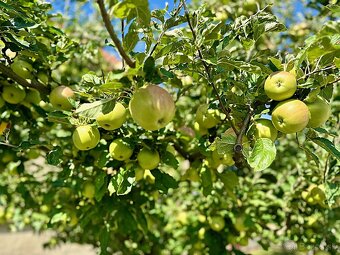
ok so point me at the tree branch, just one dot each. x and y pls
(162, 33)
(238, 147)
(316, 71)
(207, 70)
(113, 35)
(6, 71)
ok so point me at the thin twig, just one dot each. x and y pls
(335, 81)
(238, 145)
(163, 32)
(113, 35)
(122, 23)
(207, 70)
(6, 71)
(316, 71)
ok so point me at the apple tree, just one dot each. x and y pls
(186, 130)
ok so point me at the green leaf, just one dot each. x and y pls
(92, 110)
(104, 237)
(262, 155)
(311, 155)
(206, 180)
(332, 192)
(169, 159)
(54, 156)
(131, 38)
(59, 217)
(122, 9)
(164, 181)
(122, 182)
(328, 146)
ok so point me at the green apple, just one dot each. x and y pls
(86, 137)
(290, 116)
(139, 173)
(43, 77)
(222, 159)
(216, 223)
(265, 129)
(320, 110)
(199, 129)
(280, 85)
(152, 107)
(33, 96)
(148, 159)
(89, 190)
(59, 98)
(120, 150)
(148, 176)
(207, 118)
(2, 102)
(114, 119)
(22, 68)
(13, 94)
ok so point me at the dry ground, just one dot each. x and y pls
(26, 242)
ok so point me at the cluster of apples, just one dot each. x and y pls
(16, 94)
(314, 195)
(290, 115)
(151, 107)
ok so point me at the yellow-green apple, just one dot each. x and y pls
(120, 150)
(13, 94)
(280, 85)
(33, 96)
(264, 128)
(199, 129)
(113, 119)
(43, 77)
(59, 98)
(22, 68)
(207, 118)
(148, 159)
(290, 116)
(139, 173)
(320, 110)
(216, 223)
(152, 107)
(86, 137)
(89, 190)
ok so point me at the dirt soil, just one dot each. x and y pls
(26, 242)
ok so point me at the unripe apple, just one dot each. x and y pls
(43, 77)
(86, 137)
(120, 150)
(13, 94)
(290, 116)
(22, 68)
(59, 98)
(152, 107)
(33, 96)
(320, 110)
(280, 85)
(89, 190)
(139, 173)
(148, 159)
(199, 129)
(216, 223)
(114, 119)
(264, 129)
(207, 118)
